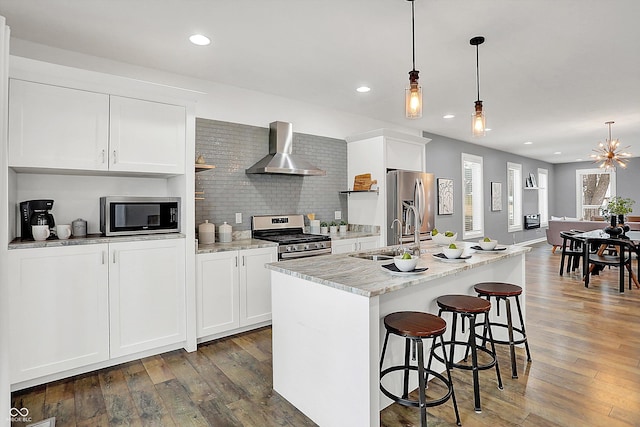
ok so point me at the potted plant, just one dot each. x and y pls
(618, 207)
(343, 226)
(333, 227)
(324, 228)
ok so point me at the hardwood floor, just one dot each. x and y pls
(585, 347)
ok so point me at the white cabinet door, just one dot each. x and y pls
(367, 243)
(146, 295)
(217, 293)
(255, 285)
(57, 127)
(343, 246)
(59, 317)
(146, 136)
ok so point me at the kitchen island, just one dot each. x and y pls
(328, 324)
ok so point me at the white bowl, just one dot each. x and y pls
(452, 253)
(406, 264)
(441, 239)
(487, 246)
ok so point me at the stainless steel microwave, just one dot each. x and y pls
(126, 215)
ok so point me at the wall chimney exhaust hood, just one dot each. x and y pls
(280, 160)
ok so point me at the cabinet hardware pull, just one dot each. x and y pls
(102, 257)
(114, 157)
(102, 155)
(243, 260)
(236, 261)
(114, 257)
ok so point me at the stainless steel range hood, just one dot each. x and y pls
(280, 160)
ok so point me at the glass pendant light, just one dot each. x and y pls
(413, 92)
(477, 119)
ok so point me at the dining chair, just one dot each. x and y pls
(572, 250)
(621, 258)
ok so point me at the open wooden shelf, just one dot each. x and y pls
(360, 191)
(202, 168)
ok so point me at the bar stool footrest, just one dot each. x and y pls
(501, 325)
(411, 402)
(465, 344)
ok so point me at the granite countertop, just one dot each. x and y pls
(367, 278)
(91, 239)
(242, 240)
(234, 245)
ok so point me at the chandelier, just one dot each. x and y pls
(607, 153)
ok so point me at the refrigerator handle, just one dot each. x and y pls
(418, 202)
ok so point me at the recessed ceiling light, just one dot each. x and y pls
(199, 39)
(578, 160)
(528, 143)
(487, 129)
(558, 152)
(448, 116)
(363, 89)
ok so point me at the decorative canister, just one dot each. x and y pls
(225, 233)
(206, 233)
(79, 228)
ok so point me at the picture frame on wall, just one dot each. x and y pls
(445, 196)
(496, 196)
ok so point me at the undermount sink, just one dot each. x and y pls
(381, 255)
(372, 257)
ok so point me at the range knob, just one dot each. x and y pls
(289, 249)
(306, 247)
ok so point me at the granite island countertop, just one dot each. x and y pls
(367, 278)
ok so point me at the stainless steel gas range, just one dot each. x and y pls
(288, 232)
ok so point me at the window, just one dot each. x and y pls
(514, 197)
(472, 199)
(594, 188)
(543, 196)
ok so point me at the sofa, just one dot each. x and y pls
(558, 225)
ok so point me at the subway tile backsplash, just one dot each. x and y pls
(233, 147)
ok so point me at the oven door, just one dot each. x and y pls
(303, 254)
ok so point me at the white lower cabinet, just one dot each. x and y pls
(233, 289)
(351, 245)
(146, 295)
(59, 310)
(72, 306)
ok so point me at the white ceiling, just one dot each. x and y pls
(551, 71)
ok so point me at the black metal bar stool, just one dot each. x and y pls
(414, 327)
(468, 307)
(505, 291)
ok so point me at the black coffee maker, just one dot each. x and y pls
(35, 212)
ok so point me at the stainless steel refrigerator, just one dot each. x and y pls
(405, 189)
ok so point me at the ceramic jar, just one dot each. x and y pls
(225, 233)
(206, 233)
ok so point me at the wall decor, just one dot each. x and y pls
(496, 196)
(445, 196)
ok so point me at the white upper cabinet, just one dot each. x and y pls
(146, 136)
(57, 127)
(53, 127)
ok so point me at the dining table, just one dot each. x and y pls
(630, 238)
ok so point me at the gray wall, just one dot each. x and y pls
(444, 161)
(233, 147)
(627, 185)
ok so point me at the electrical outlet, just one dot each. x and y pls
(338, 215)
(239, 218)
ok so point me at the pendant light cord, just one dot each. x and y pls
(477, 72)
(413, 33)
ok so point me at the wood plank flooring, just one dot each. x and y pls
(585, 345)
